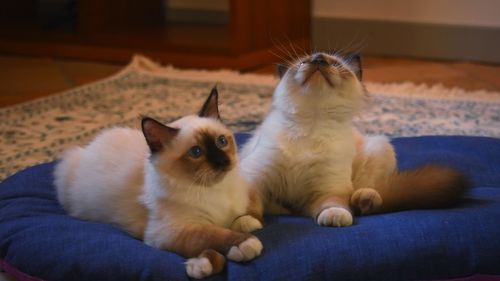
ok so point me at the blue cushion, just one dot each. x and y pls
(38, 238)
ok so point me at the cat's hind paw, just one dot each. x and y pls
(199, 267)
(246, 224)
(366, 200)
(335, 216)
(246, 250)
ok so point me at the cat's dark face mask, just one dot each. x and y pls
(322, 65)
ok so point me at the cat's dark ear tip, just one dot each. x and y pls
(147, 123)
(355, 63)
(145, 119)
(281, 69)
(214, 90)
(156, 133)
(356, 57)
(210, 107)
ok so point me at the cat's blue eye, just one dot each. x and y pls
(195, 151)
(221, 141)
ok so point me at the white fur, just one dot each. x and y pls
(218, 205)
(246, 224)
(374, 163)
(289, 159)
(198, 267)
(91, 182)
(335, 216)
(247, 250)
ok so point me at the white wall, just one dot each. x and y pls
(454, 12)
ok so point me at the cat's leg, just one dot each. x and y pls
(191, 240)
(246, 224)
(253, 219)
(366, 200)
(207, 263)
(374, 163)
(331, 210)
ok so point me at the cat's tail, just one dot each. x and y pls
(65, 171)
(427, 187)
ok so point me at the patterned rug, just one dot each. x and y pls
(37, 131)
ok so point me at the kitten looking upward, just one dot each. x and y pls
(176, 186)
(308, 157)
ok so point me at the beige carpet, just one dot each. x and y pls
(37, 131)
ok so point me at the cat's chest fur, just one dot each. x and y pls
(218, 205)
(231, 200)
(314, 161)
(300, 160)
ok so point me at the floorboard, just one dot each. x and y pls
(23, 78)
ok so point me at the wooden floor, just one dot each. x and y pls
(25, 78)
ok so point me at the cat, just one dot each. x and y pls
(307, 157)
(177, 186)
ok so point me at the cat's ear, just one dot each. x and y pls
(282, 69)
(157, 135)
(210, 108)
(354, 62)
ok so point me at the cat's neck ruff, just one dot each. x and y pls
(314, 115)
(192, 200)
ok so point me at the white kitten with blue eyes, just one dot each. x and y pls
(176, 186)
(307, 157)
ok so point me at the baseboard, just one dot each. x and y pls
(433, 41)
(196, 16)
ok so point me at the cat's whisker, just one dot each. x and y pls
(303, 52)
(284, 56)
(202, 182)
(288, 61)
(192, 186)
(297, 57)
(279, 46)
(289, 57)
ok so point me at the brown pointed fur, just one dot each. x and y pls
(427, 187)
(216, 259)
(192, 240)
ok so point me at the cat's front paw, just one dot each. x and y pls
(367, 200)
(335, 216)
(246, 250)
(198, 267)
(207, 263)
(246, 224)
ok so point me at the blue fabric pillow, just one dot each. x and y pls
(38, 238)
